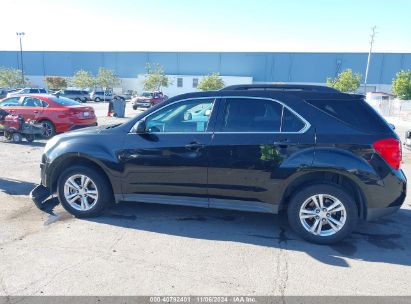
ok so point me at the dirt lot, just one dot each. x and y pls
(150, 249)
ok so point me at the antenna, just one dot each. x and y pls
(369, 58)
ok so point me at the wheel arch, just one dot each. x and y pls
(75, 160)
(348, 183)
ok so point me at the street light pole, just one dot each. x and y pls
(19, 34)
(369, 58)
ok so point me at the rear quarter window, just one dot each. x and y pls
(64, 101)
(355, 113)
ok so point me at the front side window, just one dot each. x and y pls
(251, 115)
(185, 116)
(10, 102)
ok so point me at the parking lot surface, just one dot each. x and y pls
(142, 249)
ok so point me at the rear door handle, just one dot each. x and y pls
(194, 146)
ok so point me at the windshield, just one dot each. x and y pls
(64, 101)
(146, 94)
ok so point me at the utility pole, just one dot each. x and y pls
(369, 58)
(19, 34)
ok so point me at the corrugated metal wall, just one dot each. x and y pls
(263, 67)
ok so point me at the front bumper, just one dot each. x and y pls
(39, 195)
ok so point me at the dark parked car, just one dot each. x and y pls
(326, 158)
(3, 93)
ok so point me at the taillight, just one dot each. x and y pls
(390, 150)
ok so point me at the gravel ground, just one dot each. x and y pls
(150, 249)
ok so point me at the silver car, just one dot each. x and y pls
(77, 95)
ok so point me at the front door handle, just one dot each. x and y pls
(194, 146)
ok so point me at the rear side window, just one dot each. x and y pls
(251, 115)
(291, 123)
(64, 101)
(355, 113)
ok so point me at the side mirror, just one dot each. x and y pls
(207, 112)
(141, 127)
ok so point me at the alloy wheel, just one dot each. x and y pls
(47, 129)
(323, 215)
(80, 192)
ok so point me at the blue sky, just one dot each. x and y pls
(207, 25)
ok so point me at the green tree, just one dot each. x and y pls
(106, 78)
(155, 78)
(55, 82)
(211, 82)
(11, 78)
(401, 85)
(82, 79)
(346, 81)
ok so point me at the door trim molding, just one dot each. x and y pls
(226, 204)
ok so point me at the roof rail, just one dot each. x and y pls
(281, 87)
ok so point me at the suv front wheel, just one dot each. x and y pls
(83, 191)
(323, 214)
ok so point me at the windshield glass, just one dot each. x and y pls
(64, 101)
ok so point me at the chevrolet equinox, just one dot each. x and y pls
(324, 157)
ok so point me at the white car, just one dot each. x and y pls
(28, 91)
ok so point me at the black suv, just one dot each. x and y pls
(326, 158)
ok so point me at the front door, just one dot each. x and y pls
(168, 164)
(251, 153)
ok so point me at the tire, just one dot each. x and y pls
(16, 137)
(97, 99)
(95, 204)
(29, 138)
(332, 194)
(134, 107)
(49, 129)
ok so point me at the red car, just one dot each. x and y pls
(57, 114)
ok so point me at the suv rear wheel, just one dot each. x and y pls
(323, 214)
(83, 191)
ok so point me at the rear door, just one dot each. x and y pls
(252, 152)
(31, 108)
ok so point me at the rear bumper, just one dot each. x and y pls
(388, 197)
(376, 213)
